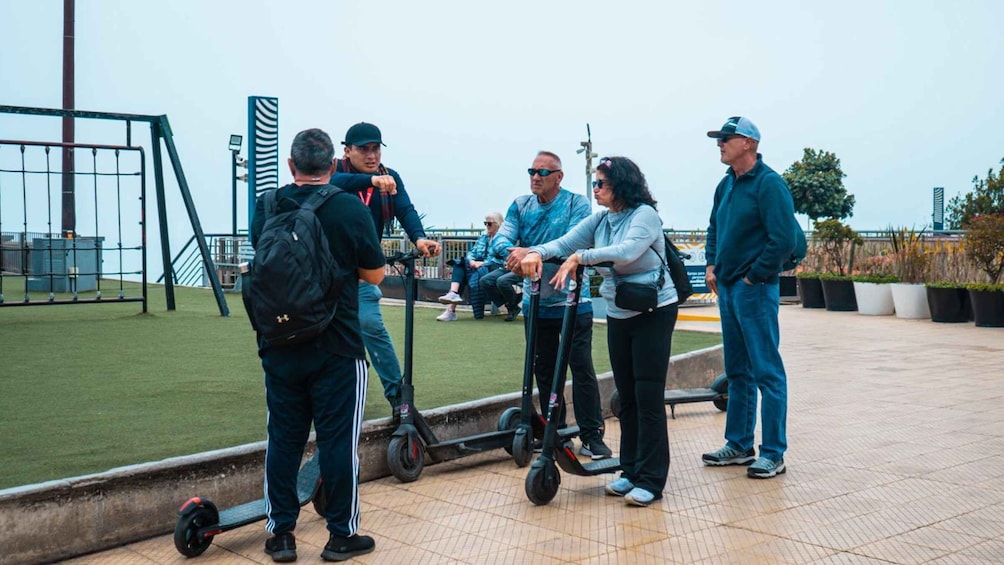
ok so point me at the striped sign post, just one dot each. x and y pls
(263, 147)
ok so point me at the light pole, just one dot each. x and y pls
(236, 161)
(587, 148)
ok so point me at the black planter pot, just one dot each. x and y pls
(788, 286)
(839, 295)
(811, 292)
(988, 308)
(949, 305)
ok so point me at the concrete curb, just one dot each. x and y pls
(60, 519)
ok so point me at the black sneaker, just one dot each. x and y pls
(282, 547)
(513, 311)
(595, 448)
(341, 548)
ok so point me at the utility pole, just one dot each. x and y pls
(587, 148)
(69, 207)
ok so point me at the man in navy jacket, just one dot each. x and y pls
(750, 235)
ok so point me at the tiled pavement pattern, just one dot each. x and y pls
(896, 432)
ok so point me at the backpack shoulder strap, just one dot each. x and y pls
(319, 198)
(270, 202)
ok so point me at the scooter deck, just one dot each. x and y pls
(456, 448)
(250, 512)
(571, 465)
(685, 395)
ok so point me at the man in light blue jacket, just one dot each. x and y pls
(533, 219)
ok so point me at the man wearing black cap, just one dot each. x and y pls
(360, 171)
(750, 235)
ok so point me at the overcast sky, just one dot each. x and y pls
(906, 93)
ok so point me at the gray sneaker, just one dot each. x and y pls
(765, 468)
(729, 456)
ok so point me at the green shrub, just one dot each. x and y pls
(986, 287)
(875, 279)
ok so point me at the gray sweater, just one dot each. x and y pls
(630, 239)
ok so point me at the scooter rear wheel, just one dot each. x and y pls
(542, 483)
(522, 448)
(721, 403)
(187, 540)
(615, 404)
(405, 459)
(509, 420)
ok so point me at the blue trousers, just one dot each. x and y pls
(304, 385)
(377, 340)
(753, 363)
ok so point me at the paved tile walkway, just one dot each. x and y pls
(896, 433)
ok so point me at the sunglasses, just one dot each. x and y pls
(727, 138)
(599, 183)
(487, 223)
(542, 172)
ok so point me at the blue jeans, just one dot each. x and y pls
(752, 362)
(377, 340)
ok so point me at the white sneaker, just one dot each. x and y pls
(451, 298)
(448, 316)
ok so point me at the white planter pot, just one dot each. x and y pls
(910, 301)
(874, 299)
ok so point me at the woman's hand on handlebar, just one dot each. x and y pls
(564, 271)
(532, 266)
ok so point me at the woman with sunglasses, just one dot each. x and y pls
(469, 269)
(629, 236)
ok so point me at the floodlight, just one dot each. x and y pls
(235, 142)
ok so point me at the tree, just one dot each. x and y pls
(835, 238)
(986, 198)
(984, 241)
(817, 186)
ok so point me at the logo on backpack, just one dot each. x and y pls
(292, 287)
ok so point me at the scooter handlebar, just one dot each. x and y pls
(410, 255)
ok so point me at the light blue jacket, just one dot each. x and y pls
(528, 223)
(630, 239)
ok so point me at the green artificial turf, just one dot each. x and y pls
(85, 388)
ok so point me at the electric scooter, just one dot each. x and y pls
(199, 520)
(543, 479)
(531, 424)
(414, 439)
(717, 393)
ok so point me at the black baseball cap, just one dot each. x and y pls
(363, 133)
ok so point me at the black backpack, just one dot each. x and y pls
(677, 270)
(801, 248)
(292, 288)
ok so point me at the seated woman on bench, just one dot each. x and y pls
(469, 269)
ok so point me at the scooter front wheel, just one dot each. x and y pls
(320, 501)
(406, 459)
(542, 483)
(187, 540)
(721, 403)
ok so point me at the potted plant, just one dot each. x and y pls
(947, 295)
(910, 263)
(838, 242)
(874, 294)
(984, 242)
(810, 288)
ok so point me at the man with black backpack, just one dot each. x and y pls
(751, 235)
(313, 246)
(380, 189)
